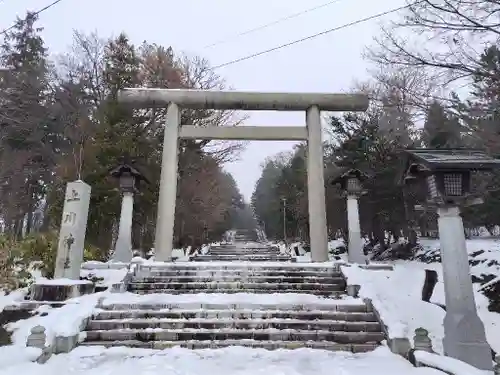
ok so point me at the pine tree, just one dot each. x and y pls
(441, 128)
(29, 140)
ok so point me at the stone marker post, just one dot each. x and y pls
(72, 232)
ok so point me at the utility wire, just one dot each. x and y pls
(5, 31)
(279, 20)
(357, 22)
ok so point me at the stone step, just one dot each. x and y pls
(249, 267)
(238, 251)
(244, 256)
(245, 324)
(159, 334)
(264, 308)
(243, 253)
(256, 252)
(244, 272)
(248, 258)
(238, 277)
(250, 246)
(270, 345)
(241, 286)
(244, 247)
(324, 293)
(313, 315)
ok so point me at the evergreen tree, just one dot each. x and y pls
(28, 137)
(266, 200)
(441, 129)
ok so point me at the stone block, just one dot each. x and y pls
(353, 290)
(422, 341)
(118, 288)
(60, 290)
(64, 344)
(45, 356)
(399, 345)
(37, 338)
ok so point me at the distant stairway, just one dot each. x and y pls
(243, 251)
(249, 320)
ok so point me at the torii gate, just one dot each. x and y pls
(311, 103)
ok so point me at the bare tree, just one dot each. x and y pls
(83, 64)
(400, 97)
(162, 69)
(444, 37)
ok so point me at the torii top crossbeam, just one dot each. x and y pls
(245, 100)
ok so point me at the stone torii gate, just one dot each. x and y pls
(310, 103)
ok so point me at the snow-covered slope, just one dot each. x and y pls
(397, 294)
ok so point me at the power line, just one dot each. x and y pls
(357, 22)
(5, 31)
(280, 20)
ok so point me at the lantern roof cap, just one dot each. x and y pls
(344, 173)
(459, 159)
(128, 165)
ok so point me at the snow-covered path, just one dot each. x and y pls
(228, 361)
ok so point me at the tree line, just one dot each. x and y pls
(434, 83)
(60, 121)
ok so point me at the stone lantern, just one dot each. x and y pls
(351, 183)
(446, 175)
(129, 178)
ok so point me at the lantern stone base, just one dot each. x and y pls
(60, 289)
(465, 339)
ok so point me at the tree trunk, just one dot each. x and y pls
(410, 214)
(378, 232)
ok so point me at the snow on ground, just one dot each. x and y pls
(13, 356)
(484, 254)
(484, 261)
(391, 290)
(225, 299)
(108, 276)
(415, 271)
(62, 321)
(396, 294)
(227, 361)
(61, 281)
(305, 256)
(397, 297)
(13, 298)
(448, 364)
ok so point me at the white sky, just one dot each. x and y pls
(329, 63)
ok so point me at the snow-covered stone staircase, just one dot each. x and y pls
(251, 318)
(257, 278)
(240, 251)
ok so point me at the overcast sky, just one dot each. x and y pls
(329, 63)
